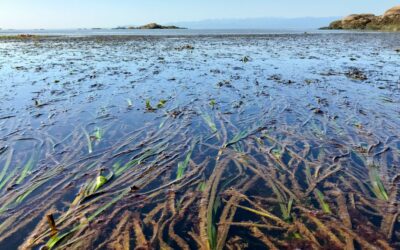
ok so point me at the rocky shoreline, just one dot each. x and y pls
(390, 21)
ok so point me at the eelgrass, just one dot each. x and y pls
(210, 123)
(5, 169)
(183, 165)
(322, 202)
(155, 170)
(88, 141)
(376, 185)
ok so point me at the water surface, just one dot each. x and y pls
(250, 141)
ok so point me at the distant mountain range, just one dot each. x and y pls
(259, 23)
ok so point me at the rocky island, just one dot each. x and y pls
(152, 26)
(390, 21)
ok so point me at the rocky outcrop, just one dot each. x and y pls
(151, 26)
(393, 11)
(390, 21)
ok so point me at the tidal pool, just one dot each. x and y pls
(281, 141)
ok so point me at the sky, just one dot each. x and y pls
(58, 14)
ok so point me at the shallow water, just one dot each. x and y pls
(162, 32)
(290, 140)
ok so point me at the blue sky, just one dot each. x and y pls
(19, 14)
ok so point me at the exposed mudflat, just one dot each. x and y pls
(214, 142)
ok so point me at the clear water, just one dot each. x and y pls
(267, 120)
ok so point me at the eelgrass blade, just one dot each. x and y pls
(8, 178)
(211, 225)
(210, 123)
(98, 134)
(238, 137)
(183, 165)
(6, 166)
(25, 171)
(89, 141)
(148, 153)
(377, 186)
(23, 196)
(108, 205)
(261, 213)
(57, 239)
(102, 180)
(321, 199)
(161, 104)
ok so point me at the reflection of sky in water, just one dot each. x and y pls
(51, 88)
(86, 79)
(89, 77)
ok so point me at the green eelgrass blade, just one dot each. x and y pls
(150, 152)
(289, 208)
(210, 123)
(102, 180)
(181, 169)
(122, 169)
(277, 153)
(212, 232)
(377, 186)
(161, 103)
(56, 239)
(163, 123)
(9, 176)
(242, 135)
(321, 198)
(183, 165)
(6, 166)
(93, 186)
(238, 148)
(98, 134)
(28, 167)
(105, 207)
(23, 196)
(89, 141)
(308, 174)
(285, 209)
(201, 186)
(148, 106)
(261, 213)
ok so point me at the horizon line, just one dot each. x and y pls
(175, 22)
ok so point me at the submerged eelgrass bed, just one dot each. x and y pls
(214, 187)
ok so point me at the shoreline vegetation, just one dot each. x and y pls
(390, 21)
